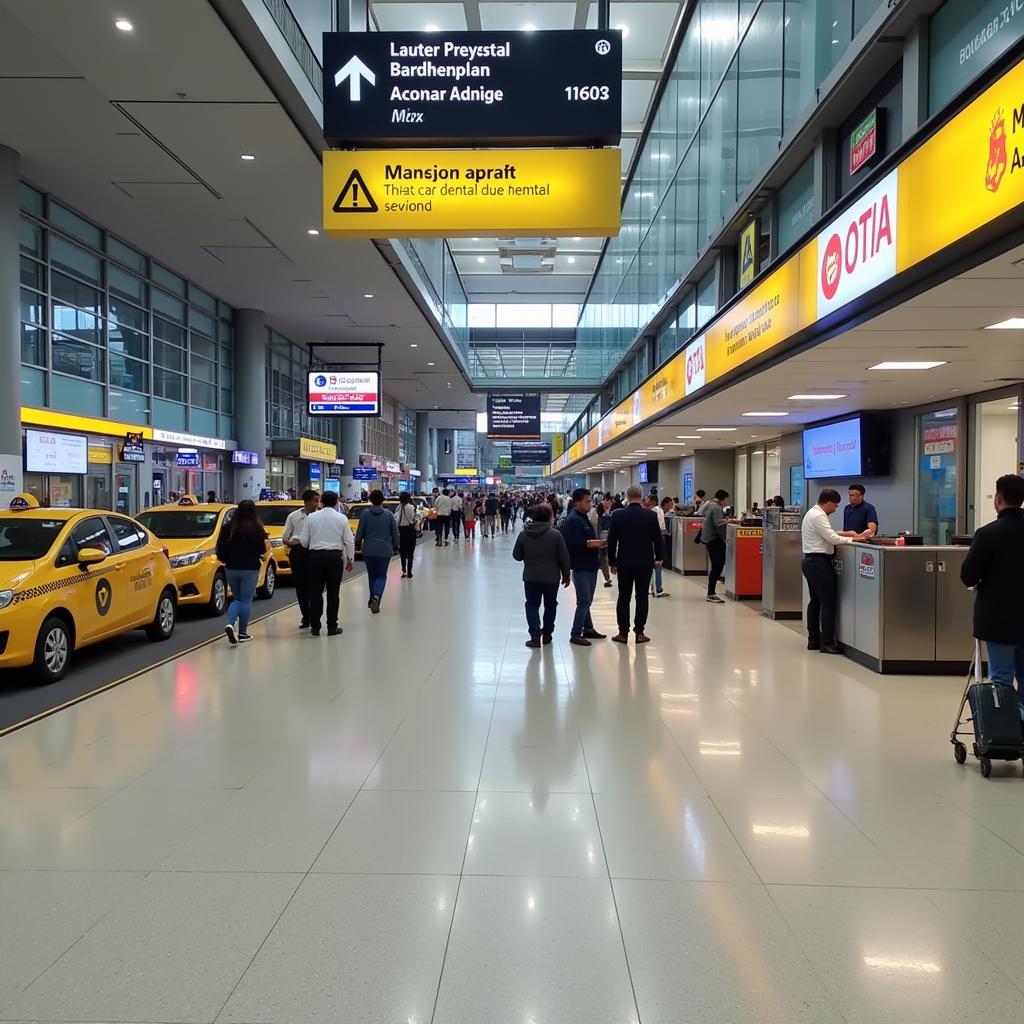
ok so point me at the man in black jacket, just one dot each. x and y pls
(634, 549)
(585, 557)
(545, 560)
(995, 566)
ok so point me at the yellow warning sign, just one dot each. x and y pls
(428, 193)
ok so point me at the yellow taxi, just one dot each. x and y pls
(273, 515)
(189, 530)
(70, 577)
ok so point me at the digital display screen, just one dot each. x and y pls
(56, 453)
(240, 458)
(344, 393)
(641, 472)
(513, 416)
(834, 450)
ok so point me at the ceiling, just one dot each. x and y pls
(945, 323)
(143, 133)
(549, 269)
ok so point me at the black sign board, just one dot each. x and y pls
(513, 416)
(132, 450)
(466, 89)
(531, 453)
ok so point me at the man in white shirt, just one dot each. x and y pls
(443, 524)
(298, 556)
(819, 547)
(456, 515)
(328, 538)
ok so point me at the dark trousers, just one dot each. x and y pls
(630, 580)
(821, 609)
(456, 523)
(325, 570)
(298, 559)
(406, 546)
(444, 526)
(716, 563)
(534, 593)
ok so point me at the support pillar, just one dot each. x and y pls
(11, 475)
(423, 451)
(446, 460)
(350, 449)
(251, 399)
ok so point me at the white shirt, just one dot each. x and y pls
(661, 517)
(293, 524)
(443, 505)
(818, 536)
(328, 530)
(456, 504)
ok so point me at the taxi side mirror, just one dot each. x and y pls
(91, 556)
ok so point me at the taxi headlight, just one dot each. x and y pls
(181, 561)
(277, 542)
(6, 597)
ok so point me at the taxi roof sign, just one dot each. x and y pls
(24, 502)
(467, 193)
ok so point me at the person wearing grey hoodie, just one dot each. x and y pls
(545, 560)
(377, 537)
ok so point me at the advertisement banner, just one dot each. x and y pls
(696, 365)
(10, 478)
(317, 451)
(56, 453)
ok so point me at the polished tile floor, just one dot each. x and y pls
(424, 821)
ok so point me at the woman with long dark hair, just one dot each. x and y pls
(406, 520)
(242, 546)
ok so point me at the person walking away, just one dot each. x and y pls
(443, 505)
(819, 546)
(634, 549)
(604, 522)
(505, 511)
(327, 537)
(469, 517)
(584, 559)
(860, 516)
(406, 520)
(457, 508)
(995, 567)
(657, 589)
(242, 546)
(712, 536)
(545, 560)
(491, 515)
(298, 557)
(377, 537)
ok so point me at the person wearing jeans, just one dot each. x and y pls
(377, 536)
(995, 567)
(584, 555)
(545, 560)
(242, 546)
(712, 536)
(406, 520)
(242, 583)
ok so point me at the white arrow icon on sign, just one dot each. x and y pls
(355, 71)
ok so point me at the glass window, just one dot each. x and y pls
(33, 275)
(718, 24)
(128, 373)
(202, 299)
(686, 219)
(796, 205)
(129, 316)
(718, 160)
(75, 260)
(204, 395)
(127, 286)
(227, 357)
(168, 356)
(169, 307)
(862, 11)
(686, 324)
(939, 439)
(30, 238)
(31, 200)
(163, 331)
(83, 326)
(707, 298)
(163, 277)
(202, 347)
(126, 254)
(68, 291)
(799, 79)
(128, 535)
(759, 101)
(33, 307)
(76, 226)
(168, 385)
(125, 340)
(225, 312)
(203, 323)
(227, 402)
(76, 358)
(33, 345)
(203, 369)
(33, 387)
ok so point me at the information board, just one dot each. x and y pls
(531, 453)
(364, 473)
(56, 453)
(344, 393)
(513, 416)
(470, 89)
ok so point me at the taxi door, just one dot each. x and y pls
(134, 572)
(90, 595)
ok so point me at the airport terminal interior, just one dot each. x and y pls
(757, 264)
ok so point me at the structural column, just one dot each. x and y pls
(350, 449)
(11, 477)
(423, 449)
(446, 460)
(251, 399)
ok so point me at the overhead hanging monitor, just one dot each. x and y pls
(849, 448)
(344, 393)
(513, 416)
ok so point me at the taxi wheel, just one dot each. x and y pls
(218, 595)
(162, 625)
(269, 583)
(53, 650)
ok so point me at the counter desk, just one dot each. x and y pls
(743, 554)
(688, 557)
(904, 609)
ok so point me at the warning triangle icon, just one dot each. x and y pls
(355, 197)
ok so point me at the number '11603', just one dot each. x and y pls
(587, 92)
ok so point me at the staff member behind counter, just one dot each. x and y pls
(819, 547)
(860, 515)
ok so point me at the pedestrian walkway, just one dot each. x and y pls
(424, 821)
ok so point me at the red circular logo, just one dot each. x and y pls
(832, 267)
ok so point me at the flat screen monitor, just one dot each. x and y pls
(56, 453)
(343, 393)
(847, 449)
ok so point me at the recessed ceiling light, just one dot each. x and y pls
(766, 414)
(688, 437)
(123, 25)
(624, 29)
(717, 428)
(572, 259)
(248, 156)
(529, 27)
(312, 231)
(431, 28)
(1015, 323)
(368, 295)
(412, 344)
(672, 444)
(814, 398)
(430, 364)
(909, 364)
(481, 259)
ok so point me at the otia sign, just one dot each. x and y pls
(443, 193)
(472, 88)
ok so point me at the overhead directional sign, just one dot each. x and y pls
(473, 88)
(451, 193)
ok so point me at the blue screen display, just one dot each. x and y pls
(641, 472)
(833, 450)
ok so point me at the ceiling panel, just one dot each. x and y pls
(501, 17)
(405, 17)
(646, 27)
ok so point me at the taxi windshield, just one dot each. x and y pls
(180, 524)
(24, 540)
(275, 515)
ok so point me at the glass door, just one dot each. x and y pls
(939, 445)
(994, 451)
(126, 488)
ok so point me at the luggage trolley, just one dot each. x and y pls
(997, 728)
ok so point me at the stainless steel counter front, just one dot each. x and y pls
(688, 557)
(904, 609)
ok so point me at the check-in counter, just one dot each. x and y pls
(904, 609)
(688, 557)
(781, 580)
(743, 559)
